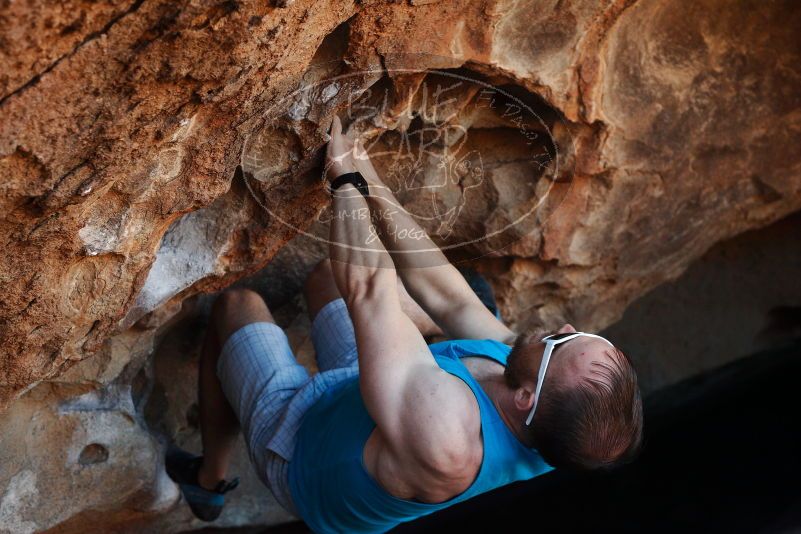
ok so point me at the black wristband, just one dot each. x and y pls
(355, 179)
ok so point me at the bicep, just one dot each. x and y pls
(425, 416)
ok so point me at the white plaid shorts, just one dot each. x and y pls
(270, 391)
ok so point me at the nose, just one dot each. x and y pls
(566, 329)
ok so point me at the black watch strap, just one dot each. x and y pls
(355, 179)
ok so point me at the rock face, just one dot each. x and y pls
(736, 300)
(579, 153)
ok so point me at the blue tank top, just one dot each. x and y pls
(330, 486)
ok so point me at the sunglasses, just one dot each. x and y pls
(550, 343)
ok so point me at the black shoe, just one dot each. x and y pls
(182, 468)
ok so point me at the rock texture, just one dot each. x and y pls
(580, 153)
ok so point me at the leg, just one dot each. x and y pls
(320, 289)
(219, 426)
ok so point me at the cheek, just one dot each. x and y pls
(510, 360)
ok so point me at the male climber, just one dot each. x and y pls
(391, 428)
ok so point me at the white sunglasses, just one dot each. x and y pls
(550, 342)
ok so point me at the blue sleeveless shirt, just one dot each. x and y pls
(330, 486)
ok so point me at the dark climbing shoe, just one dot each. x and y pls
(481, 288)
(182, 468)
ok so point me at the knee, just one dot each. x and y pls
(234, 299)
(320, 288)
(235, 308)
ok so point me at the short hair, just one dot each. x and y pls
(596, 425)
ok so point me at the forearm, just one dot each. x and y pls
(360, 262)
(425, 271)
(436, 285)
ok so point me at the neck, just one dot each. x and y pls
(503, 399)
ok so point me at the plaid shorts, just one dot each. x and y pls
(270, 391)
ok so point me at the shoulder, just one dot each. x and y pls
(444, 423)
